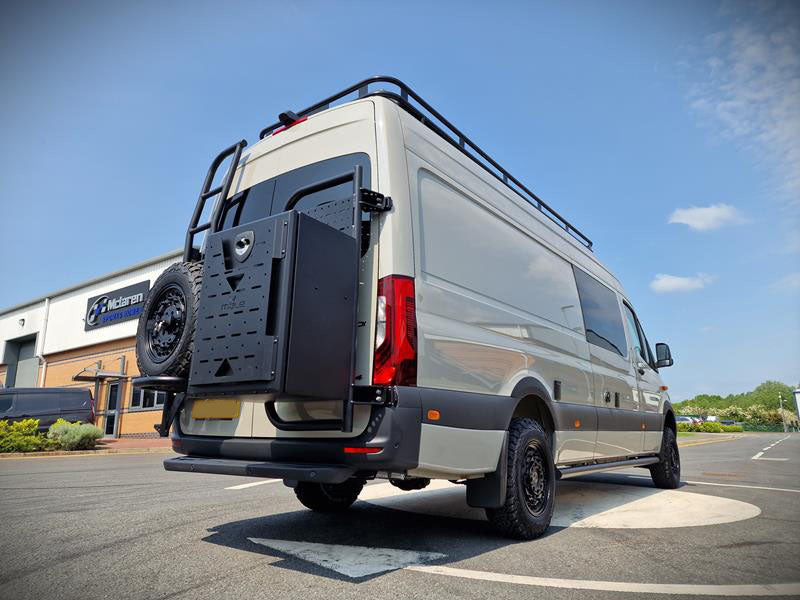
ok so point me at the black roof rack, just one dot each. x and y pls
(449, 132)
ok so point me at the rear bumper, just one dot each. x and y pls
(395, 430)
(296, 472)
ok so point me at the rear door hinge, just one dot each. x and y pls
(374, 201)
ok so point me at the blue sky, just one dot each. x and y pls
(666, 131)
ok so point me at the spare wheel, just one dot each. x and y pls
(165, 336)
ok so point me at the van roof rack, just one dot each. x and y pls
(448, 132)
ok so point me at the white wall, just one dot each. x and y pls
(65, 326)
(65, 323)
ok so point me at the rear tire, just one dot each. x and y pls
(328, 497)
(666, 474)
(165, 335)
(530, 483)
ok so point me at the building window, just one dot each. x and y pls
(145, 399)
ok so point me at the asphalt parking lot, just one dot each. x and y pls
(122, 527)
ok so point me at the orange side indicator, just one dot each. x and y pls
(434, 415)
(664, 388)
(577, 423)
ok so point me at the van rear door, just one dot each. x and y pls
(296, 311)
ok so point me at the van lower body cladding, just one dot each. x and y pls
(467, 444)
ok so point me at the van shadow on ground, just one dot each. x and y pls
(431, 520)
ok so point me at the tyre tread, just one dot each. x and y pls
(510, 519)
(180, 366)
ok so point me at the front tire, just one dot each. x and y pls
(328, 497)
(666, 474)
(530, 483)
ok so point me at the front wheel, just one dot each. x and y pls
(666, 473)
(328, 497)
(530, 483)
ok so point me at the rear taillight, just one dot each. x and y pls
(395, 332)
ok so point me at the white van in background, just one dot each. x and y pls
(376, 296)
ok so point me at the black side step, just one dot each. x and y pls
(607, 466)
(294, 472)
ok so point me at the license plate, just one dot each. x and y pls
(216, 409)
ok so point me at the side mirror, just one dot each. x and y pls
(663, 356)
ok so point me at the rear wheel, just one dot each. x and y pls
(165, 336)
(328, 497)
(666, 474)
(530, 483)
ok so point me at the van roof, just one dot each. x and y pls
(434, 121)
(443, 128)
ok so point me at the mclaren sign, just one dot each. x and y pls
(115, 307)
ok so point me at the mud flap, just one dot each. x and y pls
(490, 490)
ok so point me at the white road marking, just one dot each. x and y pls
(768, 589)
(736, 485)
(749, 487)
(352, 561)
(760, 456)
(243, 486)
(579, 504)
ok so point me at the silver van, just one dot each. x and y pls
(375, 296)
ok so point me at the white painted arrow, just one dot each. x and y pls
(352, 561)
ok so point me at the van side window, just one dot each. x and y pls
(651, 358)
(5, 403)
(601, 316)
(250, 205)
(638, 344)
(288, 183)
(271, 196)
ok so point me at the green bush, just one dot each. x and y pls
(732, 428)
(21, 436)
(709, 427)
(74, 436)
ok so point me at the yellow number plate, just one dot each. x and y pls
(215, 408)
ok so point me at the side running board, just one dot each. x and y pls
(607, 466)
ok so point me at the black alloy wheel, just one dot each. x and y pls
(666, 473)
(530, 482)
(535, 484)
(165, 336)
(166, 323)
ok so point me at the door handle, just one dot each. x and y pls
(607, 396)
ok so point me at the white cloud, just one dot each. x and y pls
(748, 78)
(705, 218)
(666, 284)
(788, 283)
